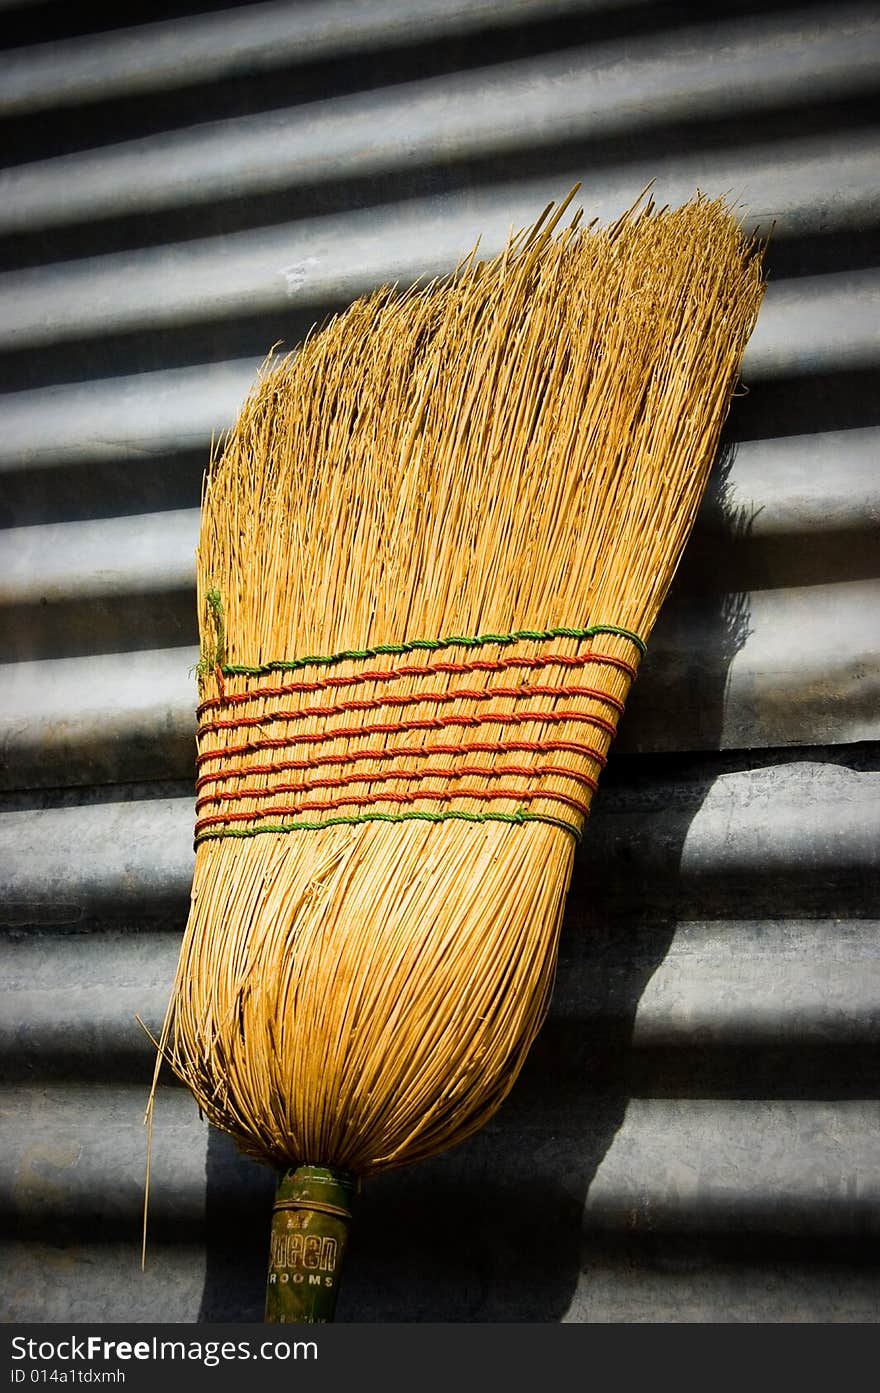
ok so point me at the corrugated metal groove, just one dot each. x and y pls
(585, 93)
(792, 833)
(695, 1133)
(259, 37)
(312, 263)
(79, 997)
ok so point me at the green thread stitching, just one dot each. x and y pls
(430, 644)
(354, 818)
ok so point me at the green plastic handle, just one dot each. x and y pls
(310, 1224)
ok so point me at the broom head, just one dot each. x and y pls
(433, 547)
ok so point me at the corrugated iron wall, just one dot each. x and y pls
(695, 1136)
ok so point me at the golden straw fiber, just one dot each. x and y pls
(436, 539)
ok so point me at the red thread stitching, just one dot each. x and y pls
(376, 776)
(467, 747)
(397, 727)
(413, 699)
(410, 670)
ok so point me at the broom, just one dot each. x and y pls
(432, 549)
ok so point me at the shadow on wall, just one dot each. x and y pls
(493, 1230)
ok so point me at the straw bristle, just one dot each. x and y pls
(521, 447)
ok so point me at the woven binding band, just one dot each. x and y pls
(544, 728)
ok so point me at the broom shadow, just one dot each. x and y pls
(495, 1229)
